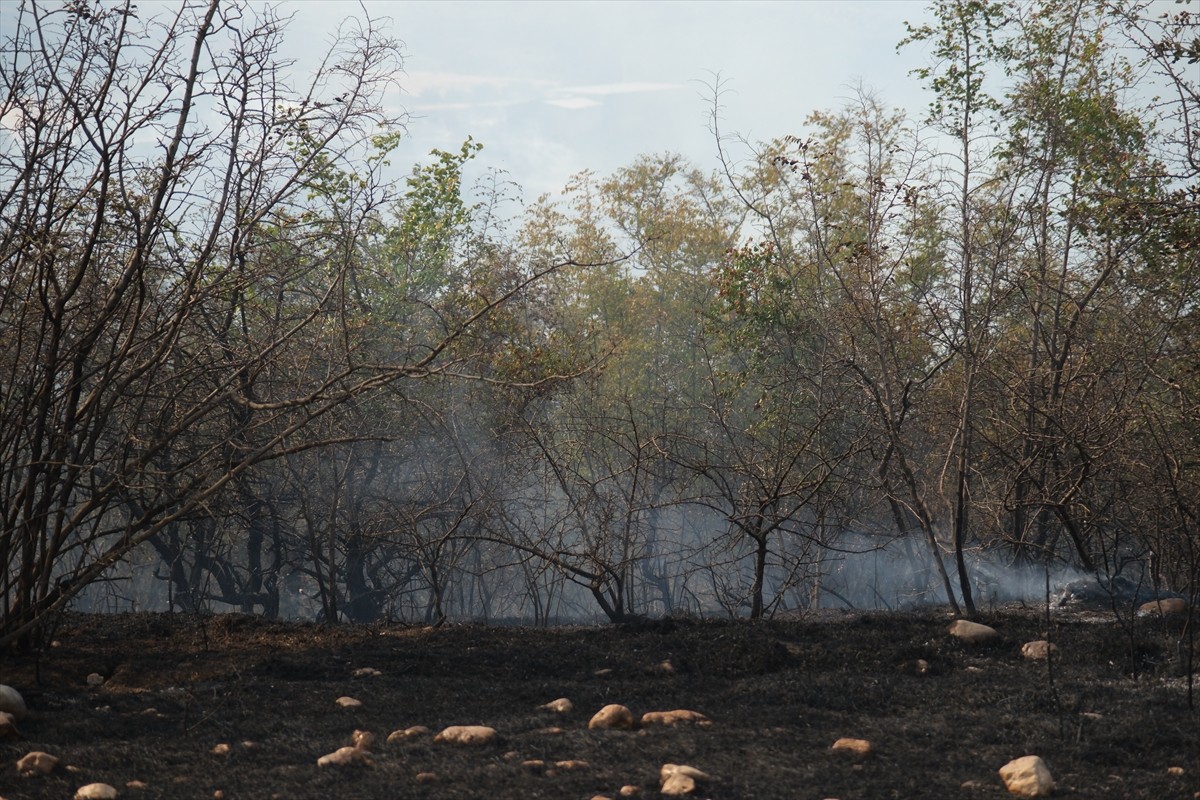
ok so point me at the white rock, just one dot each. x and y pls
(972, 632)
(857, 747)
(560, 706)
(36, 763)
(366, 672)
(12, 702)
(467, 734)
(670, 718)
(612, 717)
(1039, 650)
(407, 733)
(349, 702)
(1164, 607)
(344, 757)
(680, 779)
(1027, 776)
(96, 791)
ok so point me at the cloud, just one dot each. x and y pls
(623, 88)
(573, 103)
(460, 91)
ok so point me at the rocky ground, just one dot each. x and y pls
(236, 707)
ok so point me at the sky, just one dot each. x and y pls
(553, 88)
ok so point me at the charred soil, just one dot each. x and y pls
(1109, 715)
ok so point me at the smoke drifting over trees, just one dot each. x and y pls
(882, 360)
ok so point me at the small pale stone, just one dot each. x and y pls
(856, 747)
(343, 757)
(349, 702)
(136, 785)
(664, 667)
(554, 730)
(535, 764)
(1175, 771)
(249, 745)
(572, 764)
(426, 777)
(601, 797)
(612, 717)
(467, 734)
(560, 706)
(363, 740)
(95, 679)
(1027, 776)
(680, 779)
(12, 702)
(36, 763)
(407, 733)
(221, 749)
(675, 717)
(1164, 607)
(629, 790)
(1039, 650)
(96, 791)
(8, 726)
(366, 672)
(603, 673)
(972, 632)
(218, 795)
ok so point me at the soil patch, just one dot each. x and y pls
(1109, 714)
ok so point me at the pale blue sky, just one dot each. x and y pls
(551, 88)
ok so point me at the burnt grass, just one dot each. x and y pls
(1109, 716)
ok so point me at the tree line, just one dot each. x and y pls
(240, 364)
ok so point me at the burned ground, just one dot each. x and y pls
(1110, 715)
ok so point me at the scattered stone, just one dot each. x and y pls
(363, 740)
(551, 731)
(95, 679)
(664, 667)
(972, 632)
(972, 785)
(218, 795)
(535, 764)
(349, 702)
(1164, 607)
(1175, 771)
(36, 763)
(629, 790)
(249, 745)
(8, 726)
(12, 702)
(345, 757)
(603, 673)
(1092, 715)
(426, 777)
(917, 666)
(467, 734)
(601, 797)
(366, 672)
(137, 785)
(1039, 650)
(96, 791)
(221, 749)
(670, 718)
(560, 706)
(408, 733)
(680, 779)
(1027, 776)
(571, 764)
(612, 717)
(855, 747)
